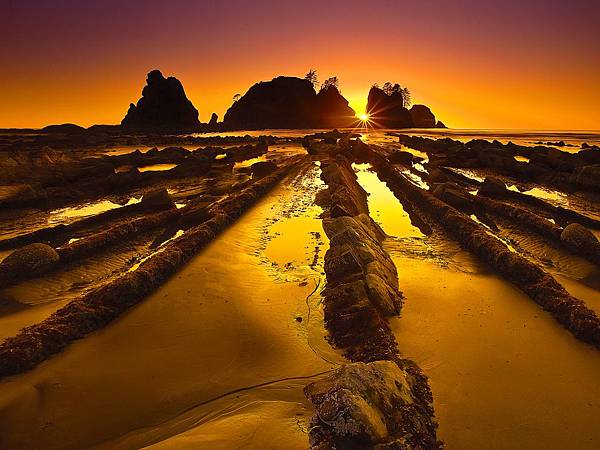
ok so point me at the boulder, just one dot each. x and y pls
(262, 168)
(436, 175)
(579, 238)
(173, 153)
(368, 405)
(157, 199)
(440, 124)
(163, 105)
(588, 156)
(31, 259)
(454, 196)
(492, 187)
(401, 157)
(588, 176)
(422, 116)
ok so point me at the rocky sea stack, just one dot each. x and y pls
(387, 109)
(163, 105)
(289, 102)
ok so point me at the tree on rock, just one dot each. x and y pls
(312, 77)
(386, 107)
(289, 102)
(395, 89)
(329, 82)
(406, 98)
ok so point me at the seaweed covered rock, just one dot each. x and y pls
(454, 196)
(492, 187)
(369, 406)
(347, 197)
(582, 241)
(157, 199)
(362, 288)
(588, 176)
(579, 236)
(163, 105)
(262, 168)
(401, 157)
(32, 259)
(436, 175)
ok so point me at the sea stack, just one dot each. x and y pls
(387, 110)
(333, 110)
(163, 105)
(289, 102)
(422, 117)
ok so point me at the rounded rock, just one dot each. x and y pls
(33, 258)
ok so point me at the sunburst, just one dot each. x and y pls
(364, 120)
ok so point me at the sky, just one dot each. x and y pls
(477, 64)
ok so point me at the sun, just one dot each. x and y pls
(364, 117)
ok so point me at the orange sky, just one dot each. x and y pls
(476, 65)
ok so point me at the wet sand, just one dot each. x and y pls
(31, 301)
(224, 323)
(504, 374)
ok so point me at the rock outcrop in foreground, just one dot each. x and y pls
(379, 401)
(163, 105)
(368, 406)
(289, 102)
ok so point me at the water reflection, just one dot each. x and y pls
(156, 167)
(59, 215)
(384, 207)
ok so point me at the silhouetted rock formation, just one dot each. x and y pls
(332, 109)
(65, 128)
(422, 116)
(213, 120)
(163, 105)
(387, 110)
(288, 102)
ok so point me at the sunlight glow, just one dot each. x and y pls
(364, 117)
